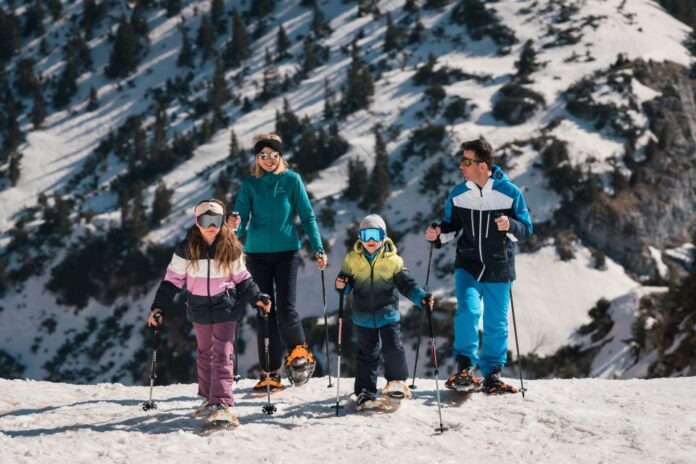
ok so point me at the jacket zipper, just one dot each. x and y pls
(372, 292)
(210, 299)
(473, 230)
(480, 245)
(488, 222)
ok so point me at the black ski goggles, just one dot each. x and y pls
(210, 219)
(374, 234)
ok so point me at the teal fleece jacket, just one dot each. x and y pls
(268, 205)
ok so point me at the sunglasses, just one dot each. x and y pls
(264, 156)
(468, 161)
(376, 235)
(209, 219)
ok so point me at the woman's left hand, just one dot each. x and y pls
(322, 260)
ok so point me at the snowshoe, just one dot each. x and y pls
(221, 417)
(299, 365)
(367, 400)
(396, 390)
(272, 379)
(202, 411)
(463, 381)
(493, 385)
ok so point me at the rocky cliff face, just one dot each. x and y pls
(656, 205)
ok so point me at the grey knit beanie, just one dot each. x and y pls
(373, 221)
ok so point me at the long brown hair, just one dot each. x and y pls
(229, 248)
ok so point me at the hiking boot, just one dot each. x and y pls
(366, 400)
(202, 411)
(463, 380)
(299, 365)
(493, 385)
(222, 414)
(397, 390)
(273, 379)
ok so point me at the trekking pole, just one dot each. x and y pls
(149, 404)
(326, 327)
(268, 408)
(514, 322)
(433, 351)
(420, 330)
(340, 344)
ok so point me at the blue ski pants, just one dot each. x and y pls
(495, 297)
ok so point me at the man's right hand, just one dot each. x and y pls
(432, 233)
(156, 318)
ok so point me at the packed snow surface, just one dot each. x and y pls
(587, 420)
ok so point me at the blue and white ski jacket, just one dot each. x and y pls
(472, 211)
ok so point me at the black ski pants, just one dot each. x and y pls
(276, 275)
(386, 339)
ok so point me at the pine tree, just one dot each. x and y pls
(217, 16)
(271, 79)
(92, 14)
(173, 7)
(161, 204)
(435, 4)
(411, 6)
(527, 64)
(237, 49)
(392, 36)
(33, 20)
(219, 93)
(10, 39)
(357, 179)
(311, 60)
(25, 80)
(238, 160)
(55, 7)
(221, 187)
(66, 87)
(319, 25)
(417, 34)
(287, 124)
(38, 110)
(15, 168)
(185, 58)
(139, 21)
(125, 53)
(282, 44)
(205, 40)
(359, 86)
(379, 183)
(77, 50)
(93, 102)
(260, 8)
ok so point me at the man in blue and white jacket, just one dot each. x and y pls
(489, 213)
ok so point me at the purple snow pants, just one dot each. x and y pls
(215, 361)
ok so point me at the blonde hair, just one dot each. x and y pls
(256, 170)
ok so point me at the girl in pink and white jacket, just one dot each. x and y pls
(209, 264)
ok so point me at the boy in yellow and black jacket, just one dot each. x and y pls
(374, 272)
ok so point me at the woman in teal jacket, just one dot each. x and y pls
(268, 202)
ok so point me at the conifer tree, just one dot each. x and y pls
(379, 183)
(217, 16)
(205, 39)
(92, 15)
(25, 80)
(185, 58)
(10, 39)
(33, 20)
(358, 178)
(15, 168)
(139, 21)
(125, 53)
(66, 87)
(527, 64)
(237, 49)
(310, 60)
(55, 7)
(411, 6)
(219, 93)
(287, 124)
(161, 204)
(392, 36)
(77, 50)
(319, 25)
(238, 160)
(282, 43)
(38, 110)
(260, 8)
(359, 86)
(173, 7)
(271, 79)
(93, 102)
(417, 34)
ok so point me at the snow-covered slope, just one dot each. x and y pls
(552, 297)
(558, 421)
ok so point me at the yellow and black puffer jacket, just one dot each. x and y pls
(375, 284)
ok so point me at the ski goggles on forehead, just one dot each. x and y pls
(272, 155)
(209, 219)
(366, 235)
